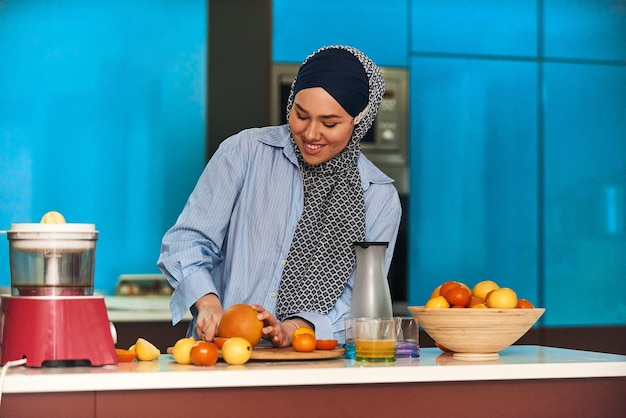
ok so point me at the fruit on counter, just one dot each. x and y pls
(485, 294)
(458, 297)
(146, 351)
(436, 292)
(219, 341)
(501, 298)
(481, 289)
(236, 350)
(182, 350)
(303, 330)
(204, 353)
(241, 321)
(447, 286)
(325, 344)
(53, 217)
(303, 342)
(437, 302)
(525, 304)
(125, 355)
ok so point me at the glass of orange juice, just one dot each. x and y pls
(375, 340)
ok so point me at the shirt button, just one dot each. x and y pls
(283, 262)
(273, 294)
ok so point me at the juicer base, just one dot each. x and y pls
(56, 331)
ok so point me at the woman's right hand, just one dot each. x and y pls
(210, 312)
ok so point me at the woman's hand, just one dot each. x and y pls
(278, 333)
(210, 312)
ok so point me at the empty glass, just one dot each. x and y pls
(407, 337)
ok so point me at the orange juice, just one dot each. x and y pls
(375, 350)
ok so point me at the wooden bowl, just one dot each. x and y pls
(475, 334)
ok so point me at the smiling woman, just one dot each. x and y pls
(102, 108)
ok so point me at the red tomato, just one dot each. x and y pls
(458, 296)
(204, 353)
(325, 344)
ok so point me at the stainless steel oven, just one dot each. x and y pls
(386, 145)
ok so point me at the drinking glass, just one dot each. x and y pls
(349, 346)
(375, 340)
(407, 337)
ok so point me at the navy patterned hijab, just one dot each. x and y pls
(321, 257)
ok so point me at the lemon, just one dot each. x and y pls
(146, 351)
(435, 292)
(502, 298)
(236, 350)
(482, 288)
(53, 217)
(182, 350)
(437, 302)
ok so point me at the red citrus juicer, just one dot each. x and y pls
(51, 317)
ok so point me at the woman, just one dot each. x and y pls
(273, 216)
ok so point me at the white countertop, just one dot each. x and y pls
(514, 363)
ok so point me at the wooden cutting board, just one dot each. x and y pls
(288, 353)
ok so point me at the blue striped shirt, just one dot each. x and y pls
(234, 233)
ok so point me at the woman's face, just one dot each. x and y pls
(319, 125)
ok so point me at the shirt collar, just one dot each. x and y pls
(279, 137)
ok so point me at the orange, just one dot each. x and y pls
(325, 344)
(525, 304)
(125, 355)
(303, 330)
(458, 296)
(303, 342)
(204, 353)
(241, 321)
(219, 341)
(447, 286)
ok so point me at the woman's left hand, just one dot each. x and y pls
(278, 333)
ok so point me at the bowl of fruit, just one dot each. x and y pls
(490, 318)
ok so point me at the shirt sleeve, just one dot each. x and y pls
(192, 249)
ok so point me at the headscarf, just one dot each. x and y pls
(321, 258)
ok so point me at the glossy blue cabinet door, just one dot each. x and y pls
(380, 29)
(481, 27)
(585, 188)
(473, 200)
(585, 29)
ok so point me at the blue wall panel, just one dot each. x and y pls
(585, 188)
(377, 28)
(102, 118)
(474, 27)
(473, 175)
(586, 29)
